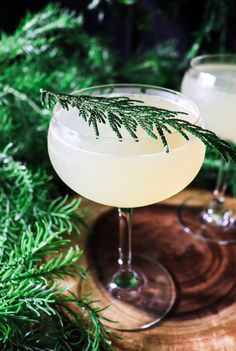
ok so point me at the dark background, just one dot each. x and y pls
(129, 28)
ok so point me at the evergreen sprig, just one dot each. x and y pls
(36, 255)
(31, 40)
(53, 37)
(101, 335)
(124, 112)
(213, 28)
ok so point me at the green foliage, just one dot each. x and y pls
(36, 249)
(158, 66)
(53, 38)
(35, 220)
(124, 112)
(213, 30)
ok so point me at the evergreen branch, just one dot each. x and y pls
(155, 62)
(214, 20)
(97, 332)
(209, 138)
(131, 113)
(21, 264)
(31, 36)
(23, 98)
(23, 197)
(27, 293)
(58, 213)
(25, 303)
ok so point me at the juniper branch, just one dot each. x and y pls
(130, 113)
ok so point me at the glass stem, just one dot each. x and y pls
(126, 277)
(125, 238)
(221, 183)
(216, 213)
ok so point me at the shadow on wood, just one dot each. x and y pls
(204, 315)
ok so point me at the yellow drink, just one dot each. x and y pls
(122, 173)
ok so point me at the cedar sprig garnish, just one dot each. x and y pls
(131, 114)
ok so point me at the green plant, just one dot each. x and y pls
(36, 256)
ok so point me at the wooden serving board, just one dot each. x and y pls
(204, 315)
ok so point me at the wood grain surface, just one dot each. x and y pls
(204, 315)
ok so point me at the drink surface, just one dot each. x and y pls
(122, 173)
(213, 88)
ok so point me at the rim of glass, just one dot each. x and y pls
(197, 61)
(124, 85)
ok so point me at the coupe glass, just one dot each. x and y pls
(211, 83)
(126, 174)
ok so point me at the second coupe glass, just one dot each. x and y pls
(211, 83)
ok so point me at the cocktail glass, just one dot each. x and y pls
(127, 174)
(211, 83)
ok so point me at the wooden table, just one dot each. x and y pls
(204, 315)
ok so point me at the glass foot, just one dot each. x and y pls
(199, 221)
(135, 308)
